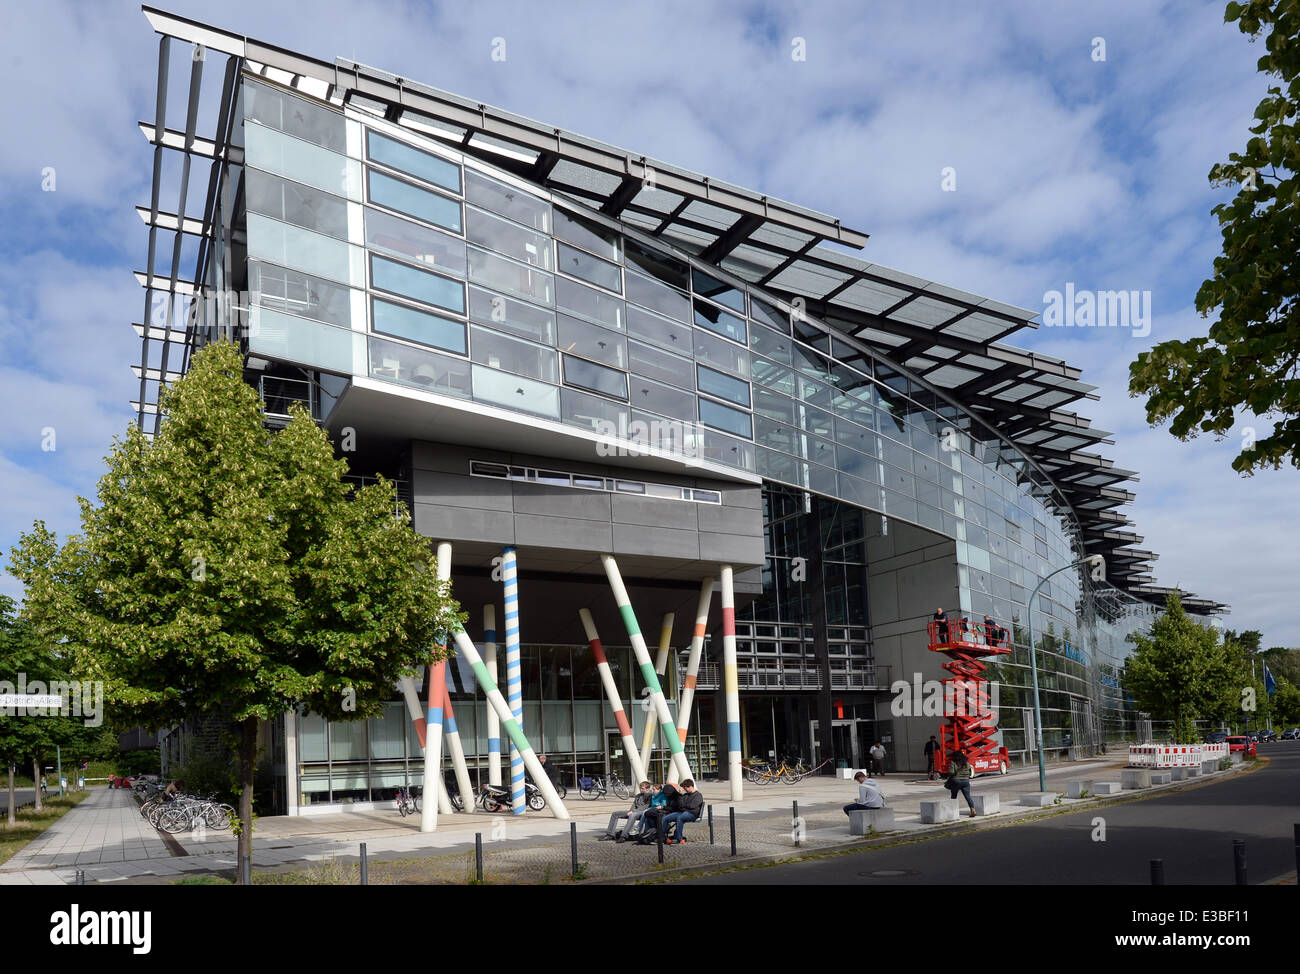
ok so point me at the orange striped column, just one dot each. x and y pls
(693, 661)
(615, 698)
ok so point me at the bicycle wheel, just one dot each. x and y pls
(215, 819)
(175, 820)
(791, 776)
(620, 790)
(561, 791)
(589, 794)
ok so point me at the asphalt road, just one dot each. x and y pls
(1191, 829)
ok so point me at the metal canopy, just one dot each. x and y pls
(947, 338)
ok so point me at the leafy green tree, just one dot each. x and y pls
(1286, 704)
(227, 568)
(1180, 671)
(1249, 359)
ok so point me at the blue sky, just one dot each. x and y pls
(1068, 169)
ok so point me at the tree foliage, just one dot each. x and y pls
(1180, 671)
(227, 568)
(1249, 357)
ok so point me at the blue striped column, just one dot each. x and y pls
(493, 722)
(514, 674)
(731, 681)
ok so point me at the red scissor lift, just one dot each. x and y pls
(965, 642)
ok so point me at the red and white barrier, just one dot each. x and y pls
(1173, 755)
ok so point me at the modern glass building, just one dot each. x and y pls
(558, 345)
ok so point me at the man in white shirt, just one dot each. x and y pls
(878, 758)
(869, 795)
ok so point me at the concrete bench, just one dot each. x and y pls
(938, 810)
(1075, 789)
(1209, 767)
(1161, 777)
(987, 803)
(1194, 771)
(1107, 787)
(862, 821)
(1134, 778)
(1178, 774)
(1038, 799)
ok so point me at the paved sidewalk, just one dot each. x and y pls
(107, 837)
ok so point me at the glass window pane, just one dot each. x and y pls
(516, 317)
(386, 732)
(591, 341)
(348, 740)
(403, 238)
(769, 314)
(505, 275)
(312, 740)
(508, 238)
(419, 368)
(511, 355)
(586, 234)
(710, 287)
(590, 269)
(717, 320)
(658, 331)
(295, 203)
(597, 378)
(273, 151)
(302, 249)
(764, 341)
(282, 336)
(594, 413)
(658, 297)
(665, 400)
(725, 418)
(398, 194)
(505, 199)
(515, 392)
(645, 360)
(404, 322)
(774, 376)
(668, 269)
(589, 303)
(723, 386)
(410, 282)
(721, 355)
(773, 405)
(299, 294)
(296, 116)
(408, 159)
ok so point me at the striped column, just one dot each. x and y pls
(693, 661)
(412, 697)
(514, 673)
(680, 769)
(732, 684)
(433, 717)
(661, 664)
(615, 699)
(511, 726)
(493, 724)
(457, 752)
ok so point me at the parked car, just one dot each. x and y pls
(1218, 737)
(1266, 736)
(1241, 742)
(1291, 735)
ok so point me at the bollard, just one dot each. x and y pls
(365, 871)
(573, 847)
(732, 812)
(1157, 872)
(659, 840)
(81, 877)
(478, 855)
(1296, 827)
(794, 823)
(711, 825)
(1239, 860)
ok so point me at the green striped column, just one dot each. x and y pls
(680, 769)
(511, 726)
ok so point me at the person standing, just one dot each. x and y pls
(931, 751)
(941, 625)
(552, 773)
(869, 795)
(960, 773)
(878, 758)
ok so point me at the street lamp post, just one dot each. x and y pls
(1096, 561)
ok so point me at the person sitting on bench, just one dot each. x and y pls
(633, 815)
(869, 795)
(689, 807)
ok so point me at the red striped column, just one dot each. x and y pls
(693, 661)
(614, 697)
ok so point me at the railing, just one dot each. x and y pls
(279, 394)
(789, 675)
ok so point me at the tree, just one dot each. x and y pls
(229, 569)
(1180, 671)
(1286, 704)
(1249, 357)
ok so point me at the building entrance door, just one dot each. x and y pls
(615, 758)
(845, 741)
(851, 738)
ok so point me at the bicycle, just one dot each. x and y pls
(405, 802)
(598, 786)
